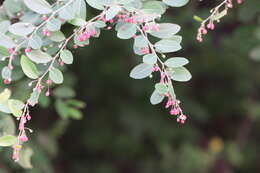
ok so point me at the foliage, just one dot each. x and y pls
(120, 134)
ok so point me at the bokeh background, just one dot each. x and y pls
(121, 132)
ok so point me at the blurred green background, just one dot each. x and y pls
(121, 132)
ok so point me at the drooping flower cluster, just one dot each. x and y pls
(216, 14)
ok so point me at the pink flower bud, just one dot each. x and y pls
(145, 28)
(49, 82)
(155, 27)
(23, 138)
(27, 50)
(175, 111)
(10, 50)
(44, 17)
(239, 1)
(47, 94)
(7, 81)
(46, 32)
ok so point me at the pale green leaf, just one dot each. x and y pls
(29, 68)
(38, 6)
(56, 76)
(39, 56)
(141, 71)
(176, 62)
(7, 140)
(66, 56)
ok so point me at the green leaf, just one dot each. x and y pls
(64, 92)
(166, 30)
(156, 98)
(56, 75)
(21, 29)
(66, 56)
(95, 4)
(38, 6)
(6, 73)
(29, 68)
(176, 3)
(176, 38)
(180, 74)
(77, 22)
(150, 59)
(176, 62)
(25, 158)
(34, 97)
(167, 46)
(198, 19)
(126, 31)
(5, 95)
(38, 56)
(57, 36)
(218, 16)
(67, 13)
(35, 42)
(141, 71)
(3, 51)
(76, 103)
(112, 12)
(6, 41)
(7, 125)
(7, 140)
(140, 41)
(154, 7)
(74, 113)
(61, 108)
(53, 24)
(80, 9)
(16, 107)
(4, 107)
(4, 25)
(161, 88)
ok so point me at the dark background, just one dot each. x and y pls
(121, 132)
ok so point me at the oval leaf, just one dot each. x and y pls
(16, 107)
(7, 140)
(166, 30)
(150, 59)
(29, 68)
(167, 46)
(126, 31)
(38, 56)
(176, 62)
(180, 74)
(56, 76)
(38, 6)
(156, 98)
(176, 3)
(66, 56)
(141, 71)
(21, 29)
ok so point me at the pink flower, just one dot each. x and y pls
(181, 119)
(46, 32)
(16, 152)
(23, 138)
